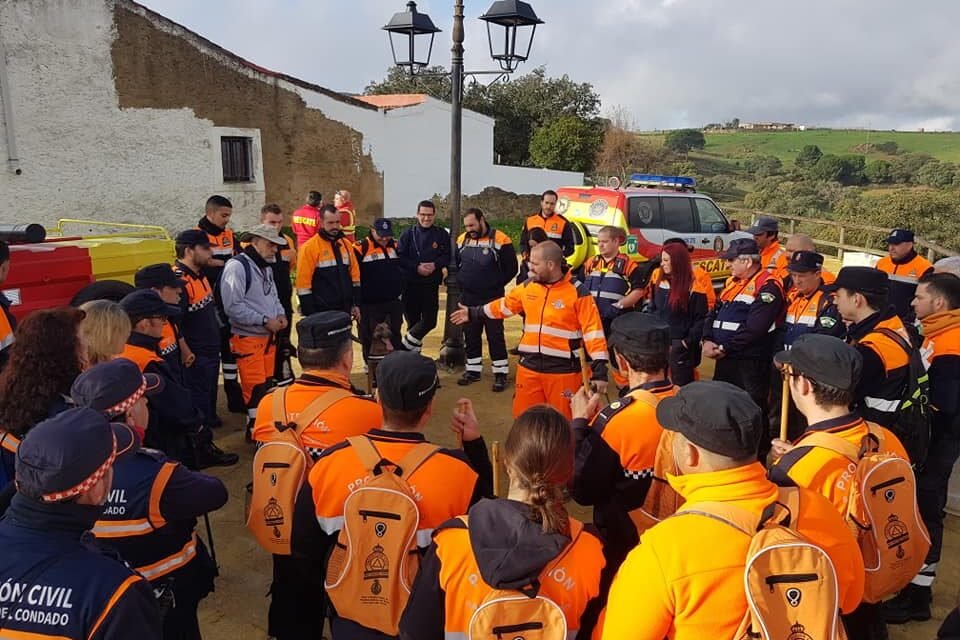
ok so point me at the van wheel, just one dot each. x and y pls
(113, 290)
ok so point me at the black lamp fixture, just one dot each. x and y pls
(519, 23)
(419, 31)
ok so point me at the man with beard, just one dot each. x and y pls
(328, 276)
(487, 262)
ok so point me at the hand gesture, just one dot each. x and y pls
(780, 447)
(464, 421)
(585, 404)
(461, 315)
(355, 313)
(274, 325)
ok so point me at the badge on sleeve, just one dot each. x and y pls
(767, 298)
(827, 322)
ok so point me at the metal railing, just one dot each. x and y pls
(845, 236)
(88, 228)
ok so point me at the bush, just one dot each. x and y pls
(683, 140)
(905, 168)
(847, 170)
(763, 166)
(878, 172)
(936, 174)
(808, 156)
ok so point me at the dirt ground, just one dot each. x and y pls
(238, 608)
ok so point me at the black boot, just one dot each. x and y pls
(913, 603)
(210, 455)
(499, 382)
(468, 377)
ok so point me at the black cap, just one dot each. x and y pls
(147, 302)
(193, 237)
(406, 381)
(65, 456)
(805, 262)
(764, 224)
(157, 276)
(861, 279)
(325, 329)
(383, 227)
(641, 333)
(717, 416)
(113, 387)
(899, 236)
(741, 247)
(824, 359)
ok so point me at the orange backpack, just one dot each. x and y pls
(661, 500)
(523, 614)
(790, 583)
(371, 569)
(882, 512)
(280, 468)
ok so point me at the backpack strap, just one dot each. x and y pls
(415, 458)
(896, 337)
(310, 413)
(832, 442)
(788, 501)
(367, 452)
(8, 441)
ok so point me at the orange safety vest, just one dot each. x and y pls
(140, 356)
(6, 331)
(552, 226)
(886, 395)
(559, 318)
(775, 260)
(223, 245)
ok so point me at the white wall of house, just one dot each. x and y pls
(411, 146)
(80, 154)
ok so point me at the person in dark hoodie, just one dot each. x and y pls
(424, 251)
(527, 543)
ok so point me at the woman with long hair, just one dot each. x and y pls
(527, 543)
(679, 301)
(35, 384)
(104, 331)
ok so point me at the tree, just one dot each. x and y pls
(878, 172)
(434, 82)
(904, 168)
(624, 152)
(683, 140)
(808, 156)
(847, 170)
(567, 143)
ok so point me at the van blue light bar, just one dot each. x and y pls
(675, 182)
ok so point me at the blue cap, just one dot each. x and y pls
(741, 247)
(764, 224)
(147, 302)
(113, 387)
(65, 456)
(899, 236)
(805, 262)
(383, 227)
(193, 237)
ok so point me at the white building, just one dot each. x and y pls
(111, 111)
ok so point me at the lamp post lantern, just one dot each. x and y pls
(518, 22)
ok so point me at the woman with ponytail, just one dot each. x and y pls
(524, 544)
(678, 300)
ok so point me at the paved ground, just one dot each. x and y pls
(237, 610)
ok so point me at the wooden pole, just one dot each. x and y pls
(585, 370)
(785, 406)
(462, 410)
(496, 468)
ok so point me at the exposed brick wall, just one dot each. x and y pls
(302, 149)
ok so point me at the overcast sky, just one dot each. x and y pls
(882, 64)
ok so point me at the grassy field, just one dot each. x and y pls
(786, 144)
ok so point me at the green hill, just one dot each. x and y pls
(786, 144)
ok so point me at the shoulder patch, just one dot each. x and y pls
(827, 322)
(609, 411)
(767, 297)
(153, 454)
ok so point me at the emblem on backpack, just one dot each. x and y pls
(896, 534)
(889, 495)
(376, 567)
(273, 516)
(794, 596)
(798, 632)
(380, 529)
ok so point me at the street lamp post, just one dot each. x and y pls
(518, 21)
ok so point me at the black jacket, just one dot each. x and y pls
(418, 245)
